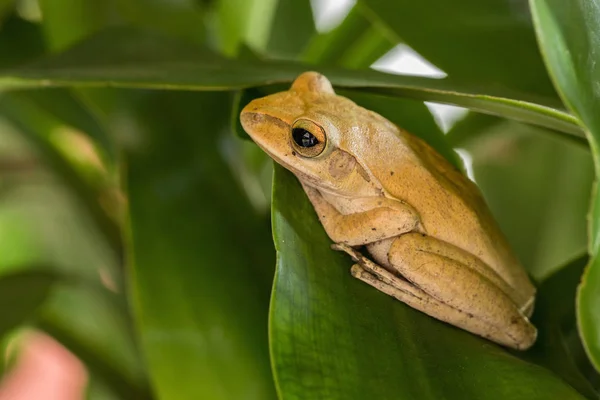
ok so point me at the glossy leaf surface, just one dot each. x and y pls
(569, 36)
(109, 59)
(201, 260)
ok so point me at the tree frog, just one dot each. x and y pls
(429, 239)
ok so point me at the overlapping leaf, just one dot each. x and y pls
(135, 59)
(201, 259)
(569, 36)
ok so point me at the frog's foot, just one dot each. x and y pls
(383, 280)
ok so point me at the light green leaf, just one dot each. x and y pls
(38, 126)
(569, 37)
(201, 261)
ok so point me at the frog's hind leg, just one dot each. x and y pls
(484, 307)
(394, 286)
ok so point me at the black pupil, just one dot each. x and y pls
(304, 138)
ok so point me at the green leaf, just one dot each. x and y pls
(569, 39)
(201, 260)
(20, 41)
(355, 43)
(129, 58)
(5, 7)
(184, 19)
(234, 23)
(555, 315)
(22, 293)
(65, 22)
(470, 39)
(37, 125)
(334, 337)
(291, 30)
(469, 127)
(67, 107)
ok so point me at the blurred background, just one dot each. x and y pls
(82, 168)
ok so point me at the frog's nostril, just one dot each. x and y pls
(251, 117)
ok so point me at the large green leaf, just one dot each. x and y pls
(334, 337)
(488, 42)
(569, 36)
(201, 261)
(134, 59)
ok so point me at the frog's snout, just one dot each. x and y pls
(247, 119)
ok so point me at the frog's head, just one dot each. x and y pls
(309, 130)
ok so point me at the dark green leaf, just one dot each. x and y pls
(334, 337)
(133, 59)
(291, 30)
(487, 42)
(555, 315)
(20, 41)
(22, 293)
(5, 7)
(569, 34)
(355, 43)
(470, 127)
(201, 260)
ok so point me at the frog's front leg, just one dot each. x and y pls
(381, 219)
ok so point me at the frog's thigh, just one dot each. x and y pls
(489, 310)
(414, 297)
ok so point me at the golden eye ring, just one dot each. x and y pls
(308, 139)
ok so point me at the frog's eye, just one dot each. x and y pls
(308, 138)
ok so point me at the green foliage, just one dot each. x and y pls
(127, 183)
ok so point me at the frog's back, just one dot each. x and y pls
(452, 208)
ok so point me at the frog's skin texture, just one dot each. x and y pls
(431, 240)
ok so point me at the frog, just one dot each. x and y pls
(416, 228)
